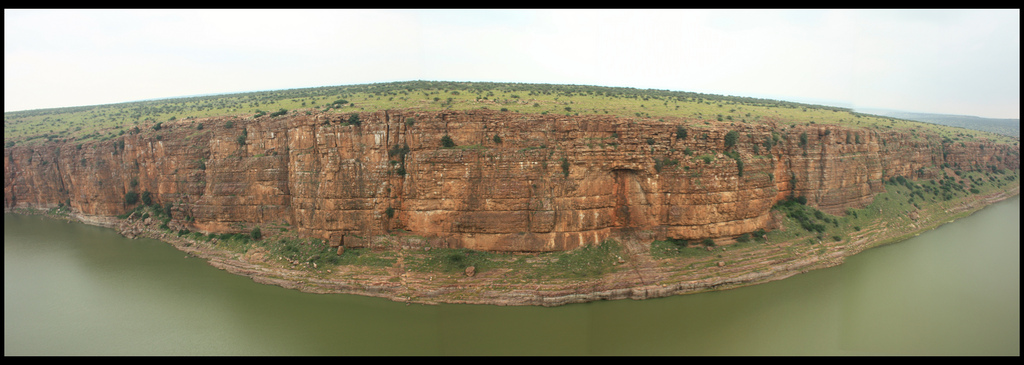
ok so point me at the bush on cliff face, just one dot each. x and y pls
(399, 151)
(660, 164)
(759, 234)
(731, 138)
(808, 217)
(739, 162)
(131, 197)
(680, 133)
(447, 142)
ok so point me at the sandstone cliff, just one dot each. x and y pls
(512, 182)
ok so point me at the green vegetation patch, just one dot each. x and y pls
(103, 122)
(675, 248)
(450, 260)
(586, 262)
(810, 219)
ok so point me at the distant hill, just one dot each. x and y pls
(1006, 127)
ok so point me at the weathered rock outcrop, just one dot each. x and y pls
(513, 182)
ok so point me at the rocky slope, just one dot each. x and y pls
(512, 182)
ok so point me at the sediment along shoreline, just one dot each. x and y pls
(637, 274)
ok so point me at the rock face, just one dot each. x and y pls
(512, 182)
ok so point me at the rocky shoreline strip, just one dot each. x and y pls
(645, 279)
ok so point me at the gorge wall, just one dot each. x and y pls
(513, 182)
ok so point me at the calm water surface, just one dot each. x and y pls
(73, 289)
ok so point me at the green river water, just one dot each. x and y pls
(74, 289)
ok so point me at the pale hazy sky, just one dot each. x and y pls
(936, 61)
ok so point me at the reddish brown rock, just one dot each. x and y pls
(552, 183)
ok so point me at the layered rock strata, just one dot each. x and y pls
(511, 182)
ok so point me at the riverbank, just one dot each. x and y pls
(625, 269)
